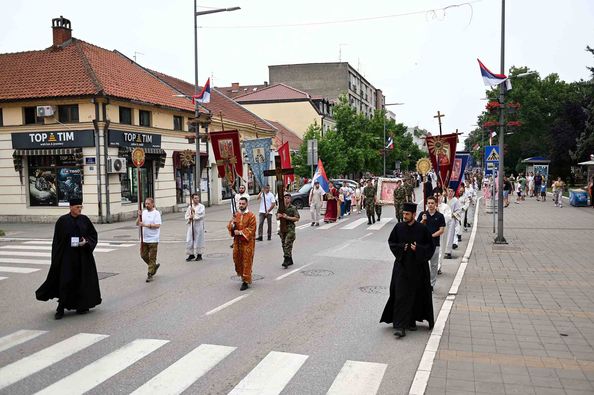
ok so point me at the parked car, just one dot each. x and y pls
(338, 182)
(300, 198)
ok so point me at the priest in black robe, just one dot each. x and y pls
(72, 276)
(410, 288)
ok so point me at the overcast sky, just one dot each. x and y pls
(426, 59)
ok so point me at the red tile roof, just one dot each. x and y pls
(285, 134)
(241, 90)
(278, 92)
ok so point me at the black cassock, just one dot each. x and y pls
(410, 288)
(72, 276)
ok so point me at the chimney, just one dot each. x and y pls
(235, 87)
(61, 30)
(265, 83)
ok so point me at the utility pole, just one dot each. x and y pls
(501, 171)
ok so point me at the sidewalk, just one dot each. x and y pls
(522, 321)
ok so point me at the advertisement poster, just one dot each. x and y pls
(69, 185)
(43, 187)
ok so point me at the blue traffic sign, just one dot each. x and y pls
(491, 159)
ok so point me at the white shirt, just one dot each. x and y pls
(316, 195)
(152, 217)
(270, 200)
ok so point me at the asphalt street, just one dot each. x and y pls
(311, 329)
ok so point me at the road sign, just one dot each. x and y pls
(491, 159)
(312, 152)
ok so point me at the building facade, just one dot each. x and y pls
(70, 116)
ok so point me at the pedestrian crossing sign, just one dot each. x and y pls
(493, 156)
(491, 159)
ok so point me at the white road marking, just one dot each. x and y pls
(271, 375)
(329, 225)
(18, 337)
(225, 305)
(380, 224)
(358, 378)
(20, 253)
(367, 235)
(354, 224)
(293, 271)
(3, 278)
(29, 261)
(185, 371)
(47, 248)
(13, 269)
(302, 226)
(22, 368)
(97, 372)
(100, 244)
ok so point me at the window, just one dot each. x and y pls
(178, 122)
(54, 180)
(129, 182)
(144, 118)
(30, 114)
(68, 114)
(126, 115)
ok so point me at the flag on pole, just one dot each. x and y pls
(489, 78)
(320, 176)
(476, 147)
(390, 144)
(204, 95)
(285, 155)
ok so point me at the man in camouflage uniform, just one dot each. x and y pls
(290, 216)
(409, 189)
(399, 199)
(370, 202)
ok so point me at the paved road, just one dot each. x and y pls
(308, 330)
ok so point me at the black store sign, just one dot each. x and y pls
(134, 139)
(65, 139)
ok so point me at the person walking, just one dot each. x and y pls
(456, 208)
(72, 276)
(558, 187)
(290, 216)
(242, 193)
(399, 200)
(369, 194)
(242, 228)
(591, 191)
(543, 190)
(358, 199)
(378, 206)
(316, 197)
(409, 190)
(410, 288)
(435, 222)
(537, 183)
(195, 228)
(332, 204)
(149, 221)
(267, 204)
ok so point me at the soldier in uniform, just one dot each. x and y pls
(370, 202)
(291, 215)
(399, 199)
(409, 189)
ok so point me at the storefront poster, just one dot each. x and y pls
(69, 185)
(43, 188)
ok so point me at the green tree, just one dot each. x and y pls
(330, 148)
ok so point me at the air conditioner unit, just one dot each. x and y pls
(46, 111)
(116, 165)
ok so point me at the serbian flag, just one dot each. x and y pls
(204, 95)
(476, 147)
(390, 144)
(320, 176)
(285, 156)
(489, 78)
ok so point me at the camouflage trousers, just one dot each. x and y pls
(378, 210)
(369, 209)
(287, 240)
(398, 209)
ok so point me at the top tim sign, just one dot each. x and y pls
(134, 139)
(69, 139)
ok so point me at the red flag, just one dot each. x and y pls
(227, 153)
(442, 152)
(285, 156)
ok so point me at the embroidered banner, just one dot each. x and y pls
(258, 157)
(442, 152)
(227, 153)
(285, 155)
(460, 163)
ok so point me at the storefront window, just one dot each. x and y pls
(129, 182)
(184, 184)
(54, 180)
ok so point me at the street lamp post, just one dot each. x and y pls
(384, 147)
(500, 239)
(197, 105)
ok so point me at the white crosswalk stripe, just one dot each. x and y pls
(24, 260)
(328, 225)
(46, 248)
(184, 372)
(100, 244)
(12, 269)
(355, 223)
(358, 378)
(271, 375)
(21, 253)
(22, 368)
(18, 337)
(380, 224)
(97, 372)
(3, 278)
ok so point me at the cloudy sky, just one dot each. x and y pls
(422, 53)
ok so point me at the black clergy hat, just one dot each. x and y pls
(410, 207)
(75, 202)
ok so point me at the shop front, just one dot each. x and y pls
(184, 167)
(50, 164)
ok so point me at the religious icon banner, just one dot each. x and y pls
(285, 155)
(460, 163)
(442, 152)
(258, 157)
(227, 153)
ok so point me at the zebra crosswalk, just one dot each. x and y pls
(350, 225)
(16, 256)
(271, 374)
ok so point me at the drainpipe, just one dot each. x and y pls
(98, 161)
(105, 153)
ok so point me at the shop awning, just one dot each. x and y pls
(46, 152)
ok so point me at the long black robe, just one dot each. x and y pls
(410, 288)
(72, 276)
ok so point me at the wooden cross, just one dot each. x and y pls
(439, 116)
(278, 173)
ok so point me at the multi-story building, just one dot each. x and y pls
(71, 114)
(330, 80)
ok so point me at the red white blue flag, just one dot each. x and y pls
(490, 78)
(390, 144)
(204, 95)
(320, 176)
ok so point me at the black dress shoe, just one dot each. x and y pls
(459, 237)
(189, 258)
(199, 257)
(447, 256)
(59, 313)
(400, 332)
(438, 271)
(259, 238)
(244, 286)
(269, 238)
(313, 224)
(157, 266)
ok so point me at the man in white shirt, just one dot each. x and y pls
(239, 195)
(316, 197)
(456, 207)
(149, 221)
(267, 204)
(195, 228)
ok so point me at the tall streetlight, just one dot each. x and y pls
(197, 105)
(501, 171)
(384, 147)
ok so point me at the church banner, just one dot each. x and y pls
(460, 163)
(285, 155)
(258, 157)
(442, 152)
(227, 153)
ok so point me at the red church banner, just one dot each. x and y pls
(285, 156)
(442, 152)
(227, 153)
